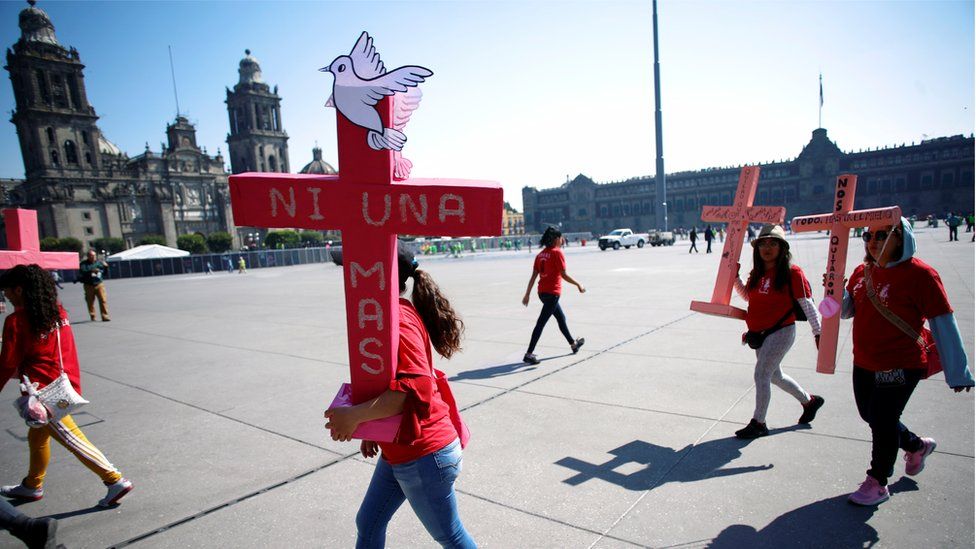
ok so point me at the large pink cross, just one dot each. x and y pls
(738, 216)
(25, 244)
(839, 223)
(370, 210)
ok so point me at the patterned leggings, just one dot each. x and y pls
(768, 359)
(69, 435)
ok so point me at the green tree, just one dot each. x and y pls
(70, 244)
(193, 243)
(153, 239)
(282, 239)
(109, 244)
(311, 238)
(220, 241)
(50, 244)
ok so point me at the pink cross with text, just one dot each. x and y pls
(25, 245)
(370, 209)
(738, 216)
(839, 223)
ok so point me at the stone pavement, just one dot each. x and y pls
(208, 391)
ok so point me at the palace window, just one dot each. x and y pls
(42, 86)
(89, 231)
(927, 180)
(88, 158)
(272, 163)
(58, 91)
(86, 216)
(54, 158)
(73, 90)
(948, 178)
(50, 136)
(70, 153)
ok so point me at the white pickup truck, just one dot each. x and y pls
(622, 237)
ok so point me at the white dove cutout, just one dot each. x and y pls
(361, 81)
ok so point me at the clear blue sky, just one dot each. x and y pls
(526, 93)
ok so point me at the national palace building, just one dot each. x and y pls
(931, 177)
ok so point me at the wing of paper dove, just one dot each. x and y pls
(366, 61)
(403, 106)
(390, 83)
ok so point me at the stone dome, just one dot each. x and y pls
(249, 69)
(107, 147)
(317, 165)
(36, 26)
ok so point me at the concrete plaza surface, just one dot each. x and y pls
(207, 392)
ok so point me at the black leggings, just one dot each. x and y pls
(881, 407)
(550, 307)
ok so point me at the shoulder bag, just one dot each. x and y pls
(58, 397)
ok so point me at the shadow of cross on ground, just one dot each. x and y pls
(661, 463)
(806, 526)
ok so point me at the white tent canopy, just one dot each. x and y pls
(148, 251)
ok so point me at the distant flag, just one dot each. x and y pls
(821, 89)
(820, 114)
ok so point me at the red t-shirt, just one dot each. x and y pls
(426, 425)
(37, 357)
(913, 291)
(768, 304)
(550, 264)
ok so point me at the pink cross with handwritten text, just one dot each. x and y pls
(25, 245)
(371, 210)
(839, 223)
(738, 216)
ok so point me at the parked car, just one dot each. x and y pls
(622, 237)
(660, 238)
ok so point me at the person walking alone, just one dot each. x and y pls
(709, 236)
(38, 343)
(890, 296)
(693, 236)
(771, 289)
(421, 465)
(550, 268)
(92, 270)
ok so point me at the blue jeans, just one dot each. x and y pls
(428, 484)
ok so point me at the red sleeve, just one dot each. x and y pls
(413, 376)
(931, 294)
(11, 355)
(561, 263)
(799, 283)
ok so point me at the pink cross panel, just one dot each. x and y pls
(839, 223)
(737, 217)
(25, 244)
(370, 208)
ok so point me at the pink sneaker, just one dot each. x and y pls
(870, 493)
(915, 461)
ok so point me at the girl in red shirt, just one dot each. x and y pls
(888, 363)
(421, 465)
(772, 287)
(550, 267)
(38, 343)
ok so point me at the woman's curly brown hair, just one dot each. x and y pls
(444, 326)
(39, 294)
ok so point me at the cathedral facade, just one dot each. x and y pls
(83, 186)
(931, 177)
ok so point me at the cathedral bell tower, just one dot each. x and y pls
(257, 141)
(55, 123)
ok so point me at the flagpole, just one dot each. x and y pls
(820, 115)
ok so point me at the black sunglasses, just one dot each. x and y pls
(877, 235)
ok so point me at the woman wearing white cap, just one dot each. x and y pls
(774, 284)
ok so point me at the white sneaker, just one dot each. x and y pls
(116, 492)
(19, 491)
